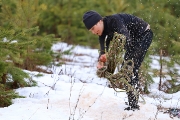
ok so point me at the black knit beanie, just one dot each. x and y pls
(90, 18)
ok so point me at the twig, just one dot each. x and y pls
(82, 115)
(72, 83)
(80, 93)
(33, 113)
(47, 103)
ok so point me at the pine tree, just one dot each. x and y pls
(20, 45)
(6, 96)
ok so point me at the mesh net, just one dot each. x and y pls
(114, 58)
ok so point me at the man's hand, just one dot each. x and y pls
(103, 58)
(100, 65)
(101, 62)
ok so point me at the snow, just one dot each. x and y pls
(74, 92)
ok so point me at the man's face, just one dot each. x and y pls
(97, 29)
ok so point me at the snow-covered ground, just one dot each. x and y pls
(74, 92)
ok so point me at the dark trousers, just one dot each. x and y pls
(137, 54)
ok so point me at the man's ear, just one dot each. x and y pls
(100, 22)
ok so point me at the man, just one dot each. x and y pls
(138, 39)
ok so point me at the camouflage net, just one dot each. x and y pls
(114, 57)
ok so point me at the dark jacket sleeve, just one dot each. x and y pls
(119, 27)
(102, 46)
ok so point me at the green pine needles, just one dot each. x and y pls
(21, 47)
(6, 96)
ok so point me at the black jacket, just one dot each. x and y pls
(130, 26)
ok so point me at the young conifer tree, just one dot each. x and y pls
(20, 45)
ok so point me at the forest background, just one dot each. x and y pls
(29, 28)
